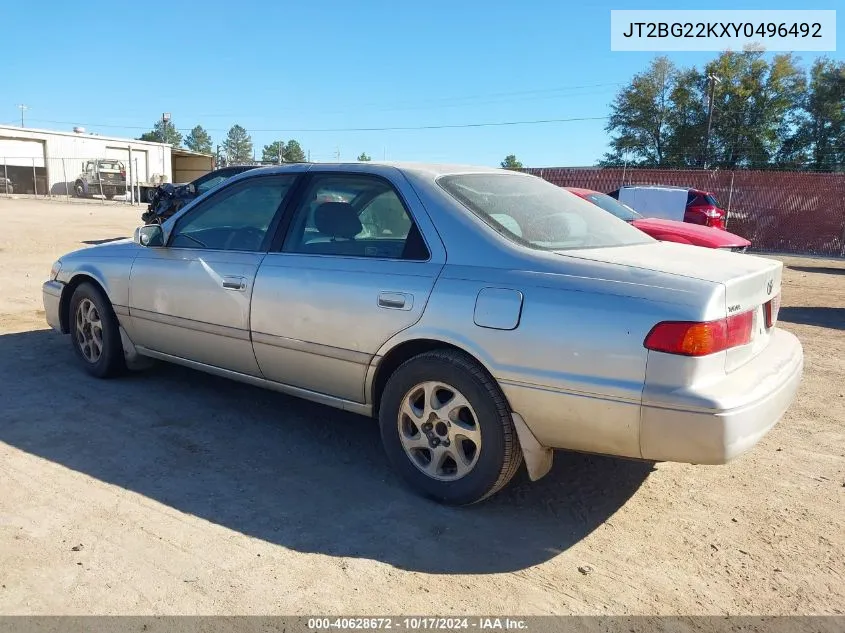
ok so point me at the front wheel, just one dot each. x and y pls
(95, 332)
(447, 428)
(79, 190)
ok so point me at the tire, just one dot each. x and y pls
(415, 451)
(150, 194)
(105, 360)
(79, 189)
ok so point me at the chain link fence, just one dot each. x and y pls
(778, 211)
(77, 178)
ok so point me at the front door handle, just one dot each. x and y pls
(395, 300)
(234, 283)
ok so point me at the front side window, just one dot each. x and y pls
(236, 218)
(354, 216)
(538, 214)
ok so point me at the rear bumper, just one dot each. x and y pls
(739, 409)
(51, 292)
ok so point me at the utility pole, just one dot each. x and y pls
(165, 119)
(713, 79)
(23, 108)
(281, 145)
(337, 154)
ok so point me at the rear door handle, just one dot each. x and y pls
(234, 283)
(395, 300)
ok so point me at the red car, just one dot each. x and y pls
(699, 207)
(666, 230)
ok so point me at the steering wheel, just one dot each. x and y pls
(247, 238)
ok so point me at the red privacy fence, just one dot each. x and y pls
(789, 212)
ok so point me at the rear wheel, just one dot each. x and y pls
(95, 332)
(447, 429)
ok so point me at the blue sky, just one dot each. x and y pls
(289, 66)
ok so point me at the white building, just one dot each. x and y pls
(49, 161)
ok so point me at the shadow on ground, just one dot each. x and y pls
(833, 318)
(301, 475)
(828, 270)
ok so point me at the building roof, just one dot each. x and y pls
(181, 151)
(90, 135)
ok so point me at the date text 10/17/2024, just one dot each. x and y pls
(419, 623)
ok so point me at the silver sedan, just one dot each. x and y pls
(482, 316)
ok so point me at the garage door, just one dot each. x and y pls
(139, 165)
(20, 152)
(139, 157)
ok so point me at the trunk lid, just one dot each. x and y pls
(750, 282)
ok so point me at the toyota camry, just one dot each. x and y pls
(483, 317)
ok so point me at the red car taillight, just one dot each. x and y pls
(706, 216)
(690, 338)
(771, 309)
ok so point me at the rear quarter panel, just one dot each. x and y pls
(575, 365)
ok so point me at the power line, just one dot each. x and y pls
(397, 128)
(451, 101)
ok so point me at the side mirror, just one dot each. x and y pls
(149, 235)
(191, 188)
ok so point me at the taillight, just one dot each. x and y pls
(771, 309)
(691, 338)
(706, 216)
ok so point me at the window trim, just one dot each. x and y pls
(305, 185)
(225, 189)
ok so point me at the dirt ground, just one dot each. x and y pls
(174, 492)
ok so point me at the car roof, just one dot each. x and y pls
(426, 170)
(663, 187)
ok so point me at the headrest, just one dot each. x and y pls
(337, 219)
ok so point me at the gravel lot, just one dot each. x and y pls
(174, 492)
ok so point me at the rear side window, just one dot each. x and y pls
(702, 199)
(538, 214)
(354, 216)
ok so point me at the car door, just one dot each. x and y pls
(354, 269)
(190, 299)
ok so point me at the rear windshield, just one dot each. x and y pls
(538, 214)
